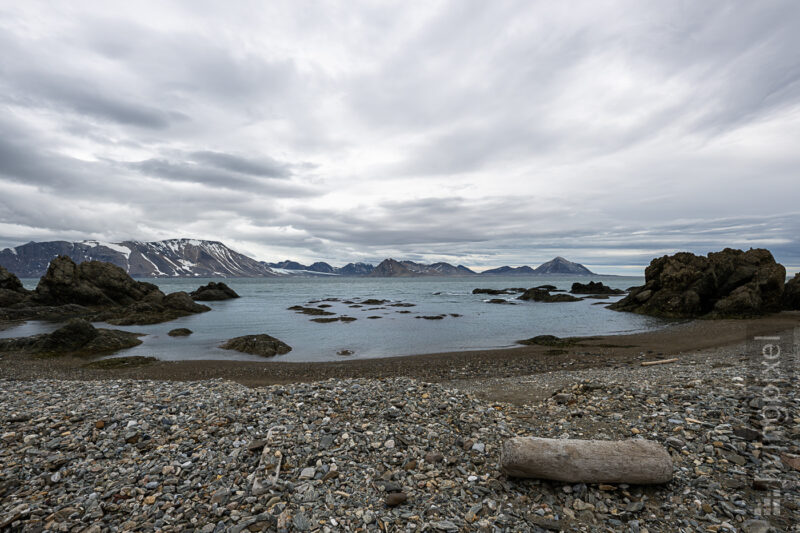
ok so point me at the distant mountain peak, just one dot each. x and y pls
(560, 265)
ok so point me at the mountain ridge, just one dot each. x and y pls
(204, 258)
(168, 258)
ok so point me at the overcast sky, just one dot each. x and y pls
(483, 133)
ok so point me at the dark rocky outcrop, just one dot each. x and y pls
(594, 287)
(791, 294)
(77, 337)
(495, 292)
(11, 289)
(100, 292)
(263, 345)
(213, 292)
(499, 301)
(730, 283)
(542, 295)
(92, 283)
(180, 332)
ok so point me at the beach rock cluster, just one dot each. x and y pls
(381, 455)
(93, 290)
(213, 291)
(77, 337)
(730, 283)
(594, 287)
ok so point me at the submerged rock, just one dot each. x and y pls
(213, 291)
(262, 344)
(493, 292)
(594, 287)
(310, 310)
(730, 283)
(180, 332)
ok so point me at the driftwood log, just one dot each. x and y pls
(635, 461)
(661, 362)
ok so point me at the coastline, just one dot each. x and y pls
(608, 351)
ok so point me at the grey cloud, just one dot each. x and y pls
(263, 167)
(609, 132)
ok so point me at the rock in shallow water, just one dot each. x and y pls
(263, 345)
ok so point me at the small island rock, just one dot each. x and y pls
(594, 287)
(213, 291)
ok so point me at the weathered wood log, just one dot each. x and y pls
(635, 461)
(660, 362)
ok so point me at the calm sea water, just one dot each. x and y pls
(263, 309)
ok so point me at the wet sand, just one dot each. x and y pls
(679, 340)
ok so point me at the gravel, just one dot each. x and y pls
(385, 455)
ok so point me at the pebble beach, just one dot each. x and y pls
(393, 454)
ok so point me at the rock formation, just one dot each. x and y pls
(730, 283)
(94, 290)
(263, 345)
(11, 289)
(92, 283)
(594, 287)
(213, 291)
(77, 337)
(791, 294)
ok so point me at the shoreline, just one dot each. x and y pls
(587, 352)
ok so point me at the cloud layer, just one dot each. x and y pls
(485, 133)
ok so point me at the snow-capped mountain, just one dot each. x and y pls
(170, 258)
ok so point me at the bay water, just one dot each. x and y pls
(263, 305)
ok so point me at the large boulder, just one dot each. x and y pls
(263, 345)
(791, 294)
(730, 283)
(92, 283)
(77, 338)
(11, 289)
(213, 291)
(594, 287)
